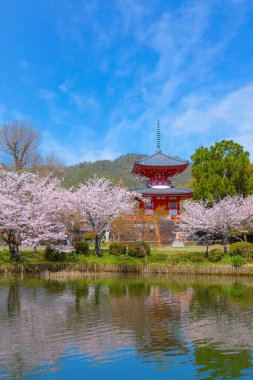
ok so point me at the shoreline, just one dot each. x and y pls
(244, 270)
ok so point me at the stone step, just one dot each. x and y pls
(167, 231)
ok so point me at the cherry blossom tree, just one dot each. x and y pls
(246, 210)
(228, 216)
(196, 222)
(98, 202)
(203, 222)
(47, 210)
(30, 210)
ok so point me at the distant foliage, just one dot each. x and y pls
(81, 247)
(53, 254)
(118, 171)
(215, 255)
(243, 249)
(117, 249)
(138, 249)
(89, 235)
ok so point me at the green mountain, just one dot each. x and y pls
(118, 171)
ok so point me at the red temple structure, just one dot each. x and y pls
(159, 169)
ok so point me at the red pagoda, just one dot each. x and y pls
(159, 168)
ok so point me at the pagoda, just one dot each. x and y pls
(159, 169)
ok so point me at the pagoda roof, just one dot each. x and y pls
(173, 190)
(160, 159)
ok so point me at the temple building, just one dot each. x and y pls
(159, 169)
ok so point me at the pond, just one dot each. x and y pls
(124, 327)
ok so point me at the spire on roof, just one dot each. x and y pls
(158, 138)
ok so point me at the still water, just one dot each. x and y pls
(126, 328)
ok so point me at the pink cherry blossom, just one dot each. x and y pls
(30, 209)
(203, 222)
(98, 202)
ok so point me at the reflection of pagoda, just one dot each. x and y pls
(159, 168)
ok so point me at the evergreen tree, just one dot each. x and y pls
(221, 170)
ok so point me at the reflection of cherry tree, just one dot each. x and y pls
(29, 210)
(97, 319)
(221, 324)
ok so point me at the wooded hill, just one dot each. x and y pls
(118, 171)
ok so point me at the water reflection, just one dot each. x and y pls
(100, 321)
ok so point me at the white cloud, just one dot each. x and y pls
(47, 95)
(178, 85)
(105, 153)
(75, 153)
(66, 86)
(181, 88)
(24, 64)
(233, 110)
(83, 101)
(57, 113)
(10, 114)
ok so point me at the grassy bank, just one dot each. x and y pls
(159, 262)
(162, 256)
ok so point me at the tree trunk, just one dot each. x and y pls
(13, 246)
(14, 251)
(225, 242)
(97, 246)
(207, 249)
(142, 249)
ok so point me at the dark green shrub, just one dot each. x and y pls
(186, 258)
(215, 255)
(177, 258)
(117, 249)
(138, 249)
(241, 249)
(195, 257)
(52, 254)
(82, 247)
(48, 252)
(237, 261)
(71, 256)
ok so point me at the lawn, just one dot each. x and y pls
(159, 255)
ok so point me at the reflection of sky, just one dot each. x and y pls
(127, 366)
(72, 327)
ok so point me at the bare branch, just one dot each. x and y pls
(19, 143)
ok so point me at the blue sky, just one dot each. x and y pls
(94, 75)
